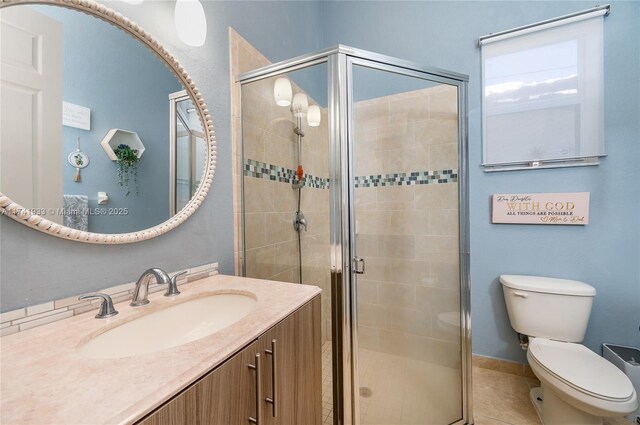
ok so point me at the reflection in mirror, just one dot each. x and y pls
(188, 145)
(85, 134)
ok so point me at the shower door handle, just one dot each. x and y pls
(358, 265)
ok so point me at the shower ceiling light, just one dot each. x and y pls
(282, 92)
(313, 116)
(300, 104)
(191, 22)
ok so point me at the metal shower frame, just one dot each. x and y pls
(340, 61)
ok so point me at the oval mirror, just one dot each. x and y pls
(103, 137)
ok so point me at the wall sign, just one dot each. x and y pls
(76, 116)
(541, 208)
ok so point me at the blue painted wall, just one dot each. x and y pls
(127, 87)
(605, 253)
(35, 267)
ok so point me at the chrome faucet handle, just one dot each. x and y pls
(106, 307)
(172, 290)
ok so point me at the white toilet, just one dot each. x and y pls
(578, 386)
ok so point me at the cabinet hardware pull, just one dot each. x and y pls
(274, 375)
(258, 419)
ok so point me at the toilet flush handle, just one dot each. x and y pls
(521, 295)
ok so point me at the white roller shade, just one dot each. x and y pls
(543, 93)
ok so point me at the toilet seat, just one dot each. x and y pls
(581, 377)
(582, 369)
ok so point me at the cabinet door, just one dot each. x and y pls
(298, 376)
(179, 411)
(307, 377)
(228, 394)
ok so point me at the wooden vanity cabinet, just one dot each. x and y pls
(227, 395)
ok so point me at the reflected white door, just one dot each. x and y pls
(31, 157)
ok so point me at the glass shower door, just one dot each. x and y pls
(407, 294)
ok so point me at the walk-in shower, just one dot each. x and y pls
(364, 195)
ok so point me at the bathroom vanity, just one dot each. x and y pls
(265, 368)
(274, 380)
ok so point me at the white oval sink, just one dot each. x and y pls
(170, 327)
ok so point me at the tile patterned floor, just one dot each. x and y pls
(499, 398)
(327, 385)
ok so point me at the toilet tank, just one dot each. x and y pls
(545, 307)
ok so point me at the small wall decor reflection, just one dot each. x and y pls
(79, 160)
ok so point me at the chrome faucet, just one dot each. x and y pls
(141, 291)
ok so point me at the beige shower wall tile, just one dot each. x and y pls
(408, 222)
(369, 162)
(371, 114)
(445, 275)
(312, 200)
(254, 137)
(412, 272)
(259, 195)
(377, 269)
(368, 245)
(315, 274)
(443, 102)
(436, 196)
(406, 160)
(444, 222)
(288, 275)
(367, 291)
(437, 300)
(397, 246)
(281, 125)
(254, 229)
(395, 137)
(317, 223)
(373, 222)
(261, 262)
(256, 109)
(436, 132)
(394, 295)
(366, 199)
(409, 110)
(284, 198)
(396, 197)
(427, 245)
(248, 57)
(374, 315)
(444, 157)
(286, 255)
(412, 321)
(278, 151)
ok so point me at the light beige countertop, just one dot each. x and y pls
(45, 379)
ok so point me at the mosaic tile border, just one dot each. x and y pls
(37, 315)
(408, 179)
(262, 170)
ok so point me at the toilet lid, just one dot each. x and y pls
(581, 368)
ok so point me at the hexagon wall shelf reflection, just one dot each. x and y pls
(116, 137)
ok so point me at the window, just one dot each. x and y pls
(542, 103)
